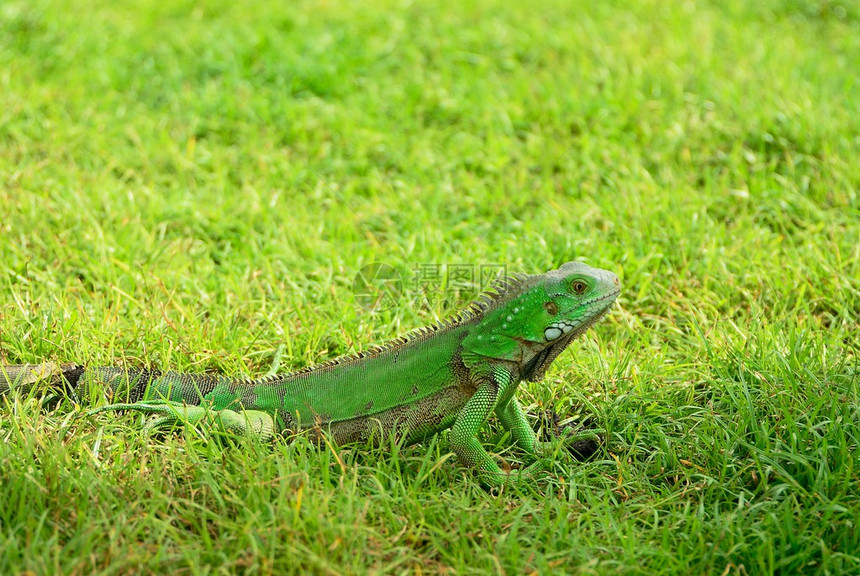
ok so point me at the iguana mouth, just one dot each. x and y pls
(584, 326)
(609, 296)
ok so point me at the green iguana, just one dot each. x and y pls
(453, 374)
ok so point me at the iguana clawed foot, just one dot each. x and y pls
(579, 445)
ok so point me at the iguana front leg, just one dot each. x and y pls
(463, 438)
(513, 418)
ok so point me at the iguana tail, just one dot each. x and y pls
(175, 397)
(25, 377)
(121, 384)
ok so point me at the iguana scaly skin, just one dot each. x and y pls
(449, 375)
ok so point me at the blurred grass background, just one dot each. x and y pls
(195, 185)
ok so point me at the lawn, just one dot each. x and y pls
(201, 185)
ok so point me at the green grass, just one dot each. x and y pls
(195, 185)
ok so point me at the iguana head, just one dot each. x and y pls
(536, 317)
(576, 296)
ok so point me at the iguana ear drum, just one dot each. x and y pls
(556, 329)
(551, 308)
(552, 333)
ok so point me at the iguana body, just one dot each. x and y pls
(449, 375)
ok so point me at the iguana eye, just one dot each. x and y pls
(578, 286)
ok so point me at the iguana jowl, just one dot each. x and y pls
(450, 375)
